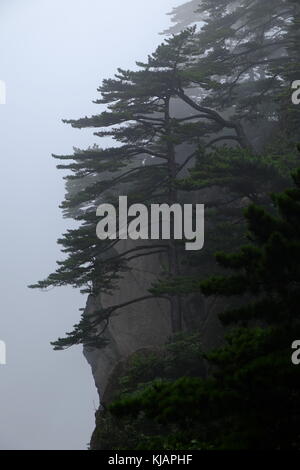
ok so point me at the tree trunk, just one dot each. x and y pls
(176, 307)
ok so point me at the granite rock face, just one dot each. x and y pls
(145, 324)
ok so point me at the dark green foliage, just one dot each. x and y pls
(183, 354)
(251, 400)
(235, 178)
(253, 53)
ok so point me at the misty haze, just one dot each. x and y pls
(120, 334)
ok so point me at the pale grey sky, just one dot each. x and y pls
(53, 56)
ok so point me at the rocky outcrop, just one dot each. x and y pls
(146, 324)
(141, 325)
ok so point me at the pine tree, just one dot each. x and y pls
(250, 52)
(190, 70)
(184, 16)
(252, 47)
(139, 117)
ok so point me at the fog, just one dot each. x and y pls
(54, 54)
